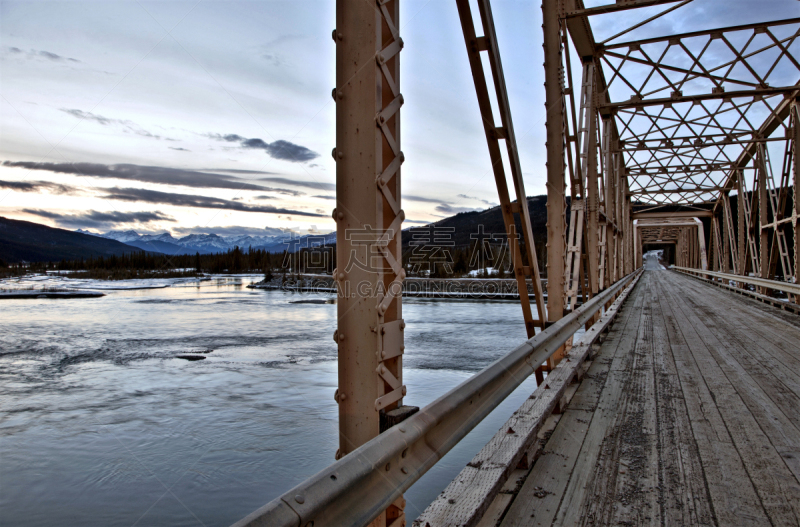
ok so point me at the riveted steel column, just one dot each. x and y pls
(556, 208)
(592, 200)
(763, 215)
(795, 180)
(368, 272)
(742, 244)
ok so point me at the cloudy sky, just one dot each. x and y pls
(206, 116)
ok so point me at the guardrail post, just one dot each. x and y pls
(369, 272)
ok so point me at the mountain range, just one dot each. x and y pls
(275, 241)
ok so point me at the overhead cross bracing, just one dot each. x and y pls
(690, 108)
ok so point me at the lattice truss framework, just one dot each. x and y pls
(689, 107)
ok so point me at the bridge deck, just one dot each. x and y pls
(688, 415)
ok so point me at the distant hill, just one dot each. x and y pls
(32, 242)
(469, 226)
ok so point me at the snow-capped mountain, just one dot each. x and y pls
(121, 236)
(213, 243)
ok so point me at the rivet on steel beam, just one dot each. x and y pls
(341, 337)
(402, 326)
(336, 35)
(405, 452)
(340, 215)
(336, 395)
(333, 94)
(336, 335)
(333, 154)
(338, 454)
(342, 397)
(383, 331)
(383, 354)
(404, 470)
(401, 43)
(402, 430)
(299, 499)
(404, 390)
(388, 466)
(402, 156)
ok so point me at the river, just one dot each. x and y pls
(100, 423)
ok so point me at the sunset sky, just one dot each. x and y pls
(207, 116)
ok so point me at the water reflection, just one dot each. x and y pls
(102, 424)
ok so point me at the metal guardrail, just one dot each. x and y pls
(357, 488)
(786, 287)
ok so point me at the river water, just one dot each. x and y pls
(101, 425)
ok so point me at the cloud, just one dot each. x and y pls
(127, 125)
(179, 149)
(100, 220)
(188, 200)
(408, 197)
(53, 56)
(146, 174)
(236, 171)
(49, 55)
(324, 197)
(297, 183)
(486, 202)
(416, 221)
(37, 186)
(280, 149)
(449, 209)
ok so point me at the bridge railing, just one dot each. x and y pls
(785, 287)
(357, 488)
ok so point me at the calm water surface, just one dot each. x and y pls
(101, 425)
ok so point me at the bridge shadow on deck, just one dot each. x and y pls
(688, 415)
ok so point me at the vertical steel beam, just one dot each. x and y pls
(592, 199)
(727, 233)
(556, 209)
(369, 272)
(368, 216)
(795, 180)
(763, 214)
(701, 255)
(742, 224)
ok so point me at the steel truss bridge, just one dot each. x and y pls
(680, 403)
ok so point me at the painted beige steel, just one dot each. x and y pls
(357, 488)
(368, 271)
(556, 207)
(795, 181)
(488, 44)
